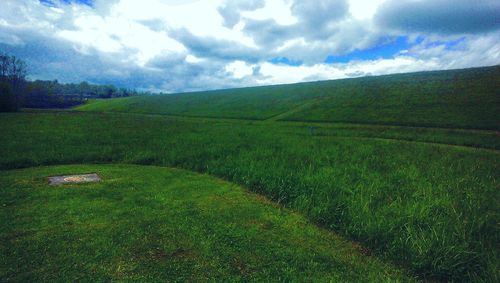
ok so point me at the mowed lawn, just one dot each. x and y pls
(145, 223)
(425, 199)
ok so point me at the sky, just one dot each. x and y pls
(191, 45)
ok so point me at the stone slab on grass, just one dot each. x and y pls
(74, 179)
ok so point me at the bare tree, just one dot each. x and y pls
(13, 73)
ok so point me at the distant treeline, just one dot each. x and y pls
(52, 94)
(17, 92)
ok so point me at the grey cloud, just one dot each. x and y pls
(315, 17)
(318, 23)
(156, 25)
(268, 33)
(166, 61)
(24, 15)
(341, 38)
(51, 58)
(440, 16)
(209, 47)
(231, 10)
(103, 7)
(199, 76)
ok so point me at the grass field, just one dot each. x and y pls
(424, 198)
(452, 99)
(144, 223)
(405, 165)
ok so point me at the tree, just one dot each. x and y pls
(12, 76)
(7, 100)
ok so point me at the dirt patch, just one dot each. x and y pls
(74, 179)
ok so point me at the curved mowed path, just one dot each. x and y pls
(146, 223)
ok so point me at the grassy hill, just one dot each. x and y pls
(467, 98)
(424, 198)
(144, 223)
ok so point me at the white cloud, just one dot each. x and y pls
(280, 74)
(363, 9)
(278, 10)
(239, 69)
(193, 59)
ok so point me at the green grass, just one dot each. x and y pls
(453, 99)
(144, 223)
(405, 193)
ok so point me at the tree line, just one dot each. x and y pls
(18, 92)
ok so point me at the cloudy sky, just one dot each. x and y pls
(186, 45)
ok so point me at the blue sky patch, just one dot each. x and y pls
(53, 3)
(449, 45)
(285, 61)
(381, 51)
(390, 50)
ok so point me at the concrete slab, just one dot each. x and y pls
(74, 179)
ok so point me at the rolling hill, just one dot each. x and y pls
(468, 98)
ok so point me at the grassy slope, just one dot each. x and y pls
(460, 98)
(456, 99)
(430, 207)
(146, 223)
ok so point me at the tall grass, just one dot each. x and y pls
(430, 207)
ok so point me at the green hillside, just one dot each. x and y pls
(467, 98)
